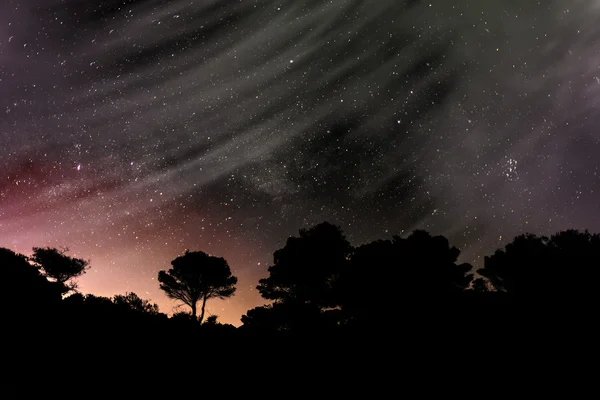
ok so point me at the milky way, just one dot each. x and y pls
(133, 130)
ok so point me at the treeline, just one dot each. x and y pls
(330, 308)
(320, 283)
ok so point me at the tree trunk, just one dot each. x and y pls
(202, 312)
(194, 310)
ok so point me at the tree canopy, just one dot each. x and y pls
(386, 276)
(563, 267)
(197, 276)
(306, 268)
(22, 284)
(57, 265)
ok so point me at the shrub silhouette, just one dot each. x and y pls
(132, 302)
(286, 316)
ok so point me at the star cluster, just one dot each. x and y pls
(132, 130)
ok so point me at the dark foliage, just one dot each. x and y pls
(404, 303)
(197, 276)
(24, 288)
(480, 285)
(400, 276)
(132, 302)
(318, 278)
(286, 316)
(560, 270)
(57, 265)
(305, 270)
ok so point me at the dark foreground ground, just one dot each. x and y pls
(511, 353)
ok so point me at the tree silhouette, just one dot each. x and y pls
(22, 284)
(133, 302)
(57, 265)
(430, 261)
(563, 267)
(517, 267)
(197, 276)
(305, 270)
(385, 276)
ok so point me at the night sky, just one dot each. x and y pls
(133, 130)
